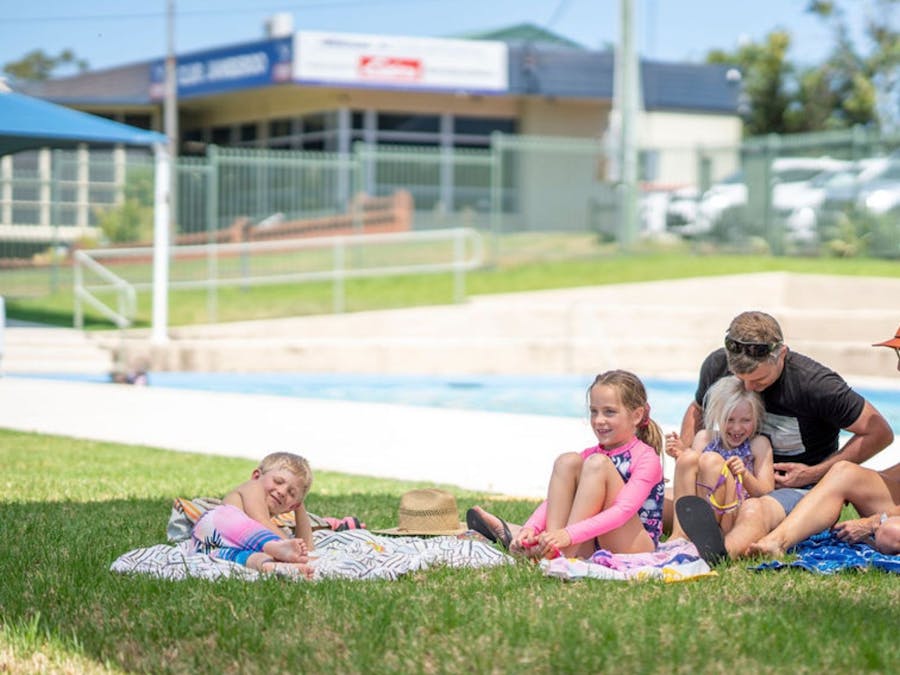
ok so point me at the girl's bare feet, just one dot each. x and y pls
(286, 569)
(287, 550)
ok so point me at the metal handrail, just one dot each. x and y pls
(125, 293)
(464, 258)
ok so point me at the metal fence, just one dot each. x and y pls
(834, 193)
(107, 280)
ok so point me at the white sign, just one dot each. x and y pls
(404, 62)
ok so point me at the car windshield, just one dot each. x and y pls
(796, 175)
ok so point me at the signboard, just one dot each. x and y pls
(347, 59)
(227, 69)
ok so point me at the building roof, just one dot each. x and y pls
(122, 85)
(526, 33)
(540, 64)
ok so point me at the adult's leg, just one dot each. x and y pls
(867, 490)
(598, 485)
(756, 517)
(686, 468)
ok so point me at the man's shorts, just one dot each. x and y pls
(788, 497)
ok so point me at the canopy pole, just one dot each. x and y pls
(163, 171)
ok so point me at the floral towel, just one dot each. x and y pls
(824, 553)
(675, 560)
(352, 554)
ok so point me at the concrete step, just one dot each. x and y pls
(53, 350)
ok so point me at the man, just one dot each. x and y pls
(874, 494)
(807, 405)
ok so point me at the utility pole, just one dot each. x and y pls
(626, 107)
(166, 177)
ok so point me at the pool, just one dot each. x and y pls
(562, 396)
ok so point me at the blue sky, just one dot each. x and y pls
(115, 32)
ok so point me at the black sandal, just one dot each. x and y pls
(698, 520)
(475, 521)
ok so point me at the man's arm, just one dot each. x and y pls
(871, 435)
(691, 423)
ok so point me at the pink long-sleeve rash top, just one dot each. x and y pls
(642, 473)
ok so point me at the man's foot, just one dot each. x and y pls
(285, 569)
(287, 550)
(767, 547)
(698, 520)
(489, 525)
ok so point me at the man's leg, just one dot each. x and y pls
(755, 519)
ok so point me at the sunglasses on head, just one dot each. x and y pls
(753, 349)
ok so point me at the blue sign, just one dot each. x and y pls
(228, 69)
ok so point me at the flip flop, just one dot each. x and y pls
(475, 521)
(698, 520)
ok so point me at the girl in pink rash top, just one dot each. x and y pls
(607, 496)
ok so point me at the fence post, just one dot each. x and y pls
(339, 291)
(78, 282)
(212, 230)
(459, 272)
(496, 193)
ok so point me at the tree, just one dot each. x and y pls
(766, 81)
(865, 85)
(37, 65)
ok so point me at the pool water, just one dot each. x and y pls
(563, 396)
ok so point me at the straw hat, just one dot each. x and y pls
(427, 512)
(892, 342)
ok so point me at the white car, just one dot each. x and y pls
(790, 176)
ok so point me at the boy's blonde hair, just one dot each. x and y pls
(296, 464)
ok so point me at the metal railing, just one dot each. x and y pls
(334, 259)
(126, 305)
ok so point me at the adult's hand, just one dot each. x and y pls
(853, 531)
(794, 475)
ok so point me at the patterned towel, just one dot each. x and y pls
(824, 553)
(352, 554)
(675, 560)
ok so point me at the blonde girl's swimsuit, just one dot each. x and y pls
(742, 451)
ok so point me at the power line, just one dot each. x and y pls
(327, 4)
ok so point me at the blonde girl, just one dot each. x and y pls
(728, 460)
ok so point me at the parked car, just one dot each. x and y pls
(875, 189)
(790, 177)
(801, 213)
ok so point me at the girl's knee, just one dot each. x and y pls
(711, 461)
(596, 464)
(568, 463)
(688, 458)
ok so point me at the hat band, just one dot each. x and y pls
(425, 513)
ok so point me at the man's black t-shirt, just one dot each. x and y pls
(806, 407)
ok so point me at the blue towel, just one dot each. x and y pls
(824, 553)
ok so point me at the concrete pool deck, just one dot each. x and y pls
(501, 453)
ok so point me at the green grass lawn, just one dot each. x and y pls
(69, 507)
(595, 267)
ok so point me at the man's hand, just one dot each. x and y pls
(853, 531)
(794, 475)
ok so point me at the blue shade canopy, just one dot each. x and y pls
(27, 123)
